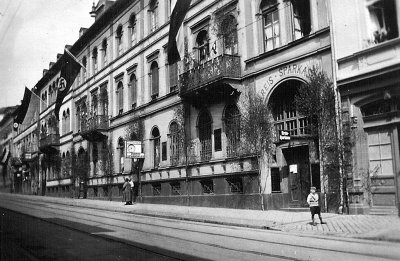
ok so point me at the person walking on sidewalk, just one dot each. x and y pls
(313, 202)
(132, 190)
(127, 192)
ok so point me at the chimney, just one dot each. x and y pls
(82, 31)
(45, 71)
(59, 55)
(51, 64)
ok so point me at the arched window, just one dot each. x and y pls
(119, 38)
(204, 128)
(154, 80)
(153, 15)
(174, 146)
(132, 91)
(270, 24)
(83, 116)
(232, 130)
(63, 166)
(202, 46)
(63, 130)
(120, 98)
(121, 149)
(155, 135)
(284, 111)
(94, 59)
(229, 35)
(132, 29)
(67, 164)
(67, 121)
(104, 50)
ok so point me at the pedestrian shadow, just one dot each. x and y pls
(77, 226)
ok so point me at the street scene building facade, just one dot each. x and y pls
(186, 115)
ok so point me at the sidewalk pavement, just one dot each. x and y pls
(373, 227)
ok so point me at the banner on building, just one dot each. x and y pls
(22, 109)
(175, 37)
(70, 68)
(134, 149)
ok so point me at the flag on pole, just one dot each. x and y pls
(70, 68)
(179, 10)
(22, 109)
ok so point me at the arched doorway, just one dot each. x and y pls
(298, 163)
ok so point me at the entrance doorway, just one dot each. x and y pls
(298, 165)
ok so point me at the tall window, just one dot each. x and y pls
(94, 60)
(174, 143)
(232, 130)
(67, 121)
(154, 80)
(119, 38)
(121, 149)
(204, 128)
(132, 29)
(84, 69)
(103, 101)
(301, 18)
(153, 15)
(94, 104)
(173, 77)
(95, 157)
(64, 122)
(271, 24)
(104, 50)
(155, 133)
(78, 118)
(132, 91)
(203, 48)
(229, 35)
(382, 20)
(83, 116)
(120, 98)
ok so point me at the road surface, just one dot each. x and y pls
(77, 233)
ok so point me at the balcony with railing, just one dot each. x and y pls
(49, 142)
(216, 72)
(95, 127)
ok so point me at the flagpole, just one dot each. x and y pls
(76, 60)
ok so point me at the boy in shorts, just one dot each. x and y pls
(313, 202)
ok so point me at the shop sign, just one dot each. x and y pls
(133, 149)
(284, 135)
(28, 156)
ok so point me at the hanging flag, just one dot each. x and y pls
(20, 112)
(5, 157)
(69, 70)
(180, 8)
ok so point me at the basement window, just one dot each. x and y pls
(207, 186)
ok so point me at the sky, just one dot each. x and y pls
(32, 32)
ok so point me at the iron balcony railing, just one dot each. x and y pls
(95, 123)
(223, 66)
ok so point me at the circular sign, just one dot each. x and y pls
(131, 148)
(15, 125)
(62, 83)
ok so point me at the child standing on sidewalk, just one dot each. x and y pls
(313, 202)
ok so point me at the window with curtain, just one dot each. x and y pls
(119, 38)
(121, 150)
(94, 60)
(381, 20)
(120, 98)
(301, 18)
(133, 91)
(84, 69)
(153, 15)
(132, 29)
(154, 80)
(104, 50)
(202, 45)
(155, 134)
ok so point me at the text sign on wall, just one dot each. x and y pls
(284, 135)
(133, 149)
